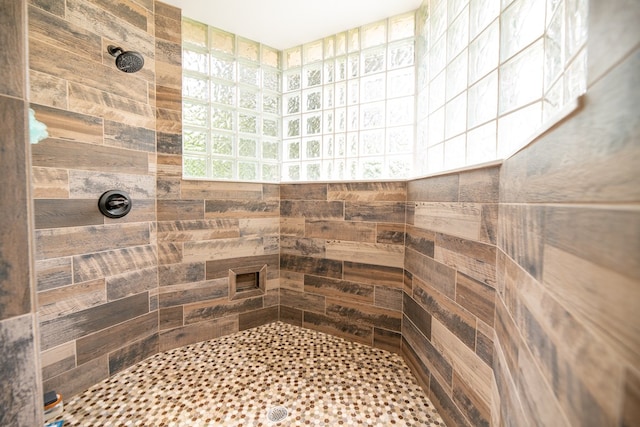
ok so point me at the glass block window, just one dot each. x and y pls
(349, 104)
(490, 73)
(232, 97)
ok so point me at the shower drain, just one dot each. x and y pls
(277, 414)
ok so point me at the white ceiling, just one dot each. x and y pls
(287, 23)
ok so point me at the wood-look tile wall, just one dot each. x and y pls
(342, 257)
(96, 277)
(21, 400)
(449, 290)
(204, 229)
(567, 346)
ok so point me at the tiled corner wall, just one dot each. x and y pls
(567, 332)
(21, 399)
(95, 275)
(204, 228)
(341, 259)
(449, 291)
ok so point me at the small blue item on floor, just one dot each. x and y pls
(55, 424)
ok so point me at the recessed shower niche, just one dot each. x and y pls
(246, 282)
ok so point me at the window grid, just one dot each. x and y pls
(231, 106)
(349, 104)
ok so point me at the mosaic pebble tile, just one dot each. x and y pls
(235, 380)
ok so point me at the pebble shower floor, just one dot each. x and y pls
(236, 380)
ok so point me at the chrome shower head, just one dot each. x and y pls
(129, 62)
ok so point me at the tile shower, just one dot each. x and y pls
(485, 287)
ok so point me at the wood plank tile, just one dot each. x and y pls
(216, 269)
(374, 274)
(442, 188)
(363, 314)
(180, 210)
(201, 331)
(631, 406)
(417, 367)
(64, 154)
(387, 340)
(253, 319)
(121, 135)
(125, 10)
(169, 253)
(456, 219)
(49, 183)
(466, 399)
(368, 191)
(312, 209)
(57, 360)
(66, 300)
(309, 265)
(109, 263)
(427, 353)
(53, 273)
(292, 227)
(303, 192)
(293, 316)
(480, 185)
(241, 209)
(59, 213)
(143, 210)
(476, 297)
(577, 285)
(421, 240)
(420, 317)
(302, 301)
(447, 409)
(390, 298)
(437, 275)
(341, 289)
(259, 226)
(484, 342)
(169, 143)
(348, 331)
(100, 343)
(195, 230)
(110, 106)
(368, 253)
(133, 353)
(271, 192)
(214, 309)
(459, 321)
(168, 120)
(169, 275)
(47, 90)
(80, 378)
(67, 125)
(76, 325)
(302, 246)
(167, 11)
(207, 250)
(521, 230)
(91, 185)
(170, 317)
(124, 285)
(13, 40)
(60, 242)
(393, 234)
(14, 245)
(189, 293)
(343, 230)
(510, 407)
(393, 212)
(477, 375)
(292, 281)
(489, 224)
(57, 31)
(219, 191)
(55, 7)
(474, 259)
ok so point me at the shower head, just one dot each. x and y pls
(129, 62)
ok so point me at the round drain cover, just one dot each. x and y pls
(277, 414)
